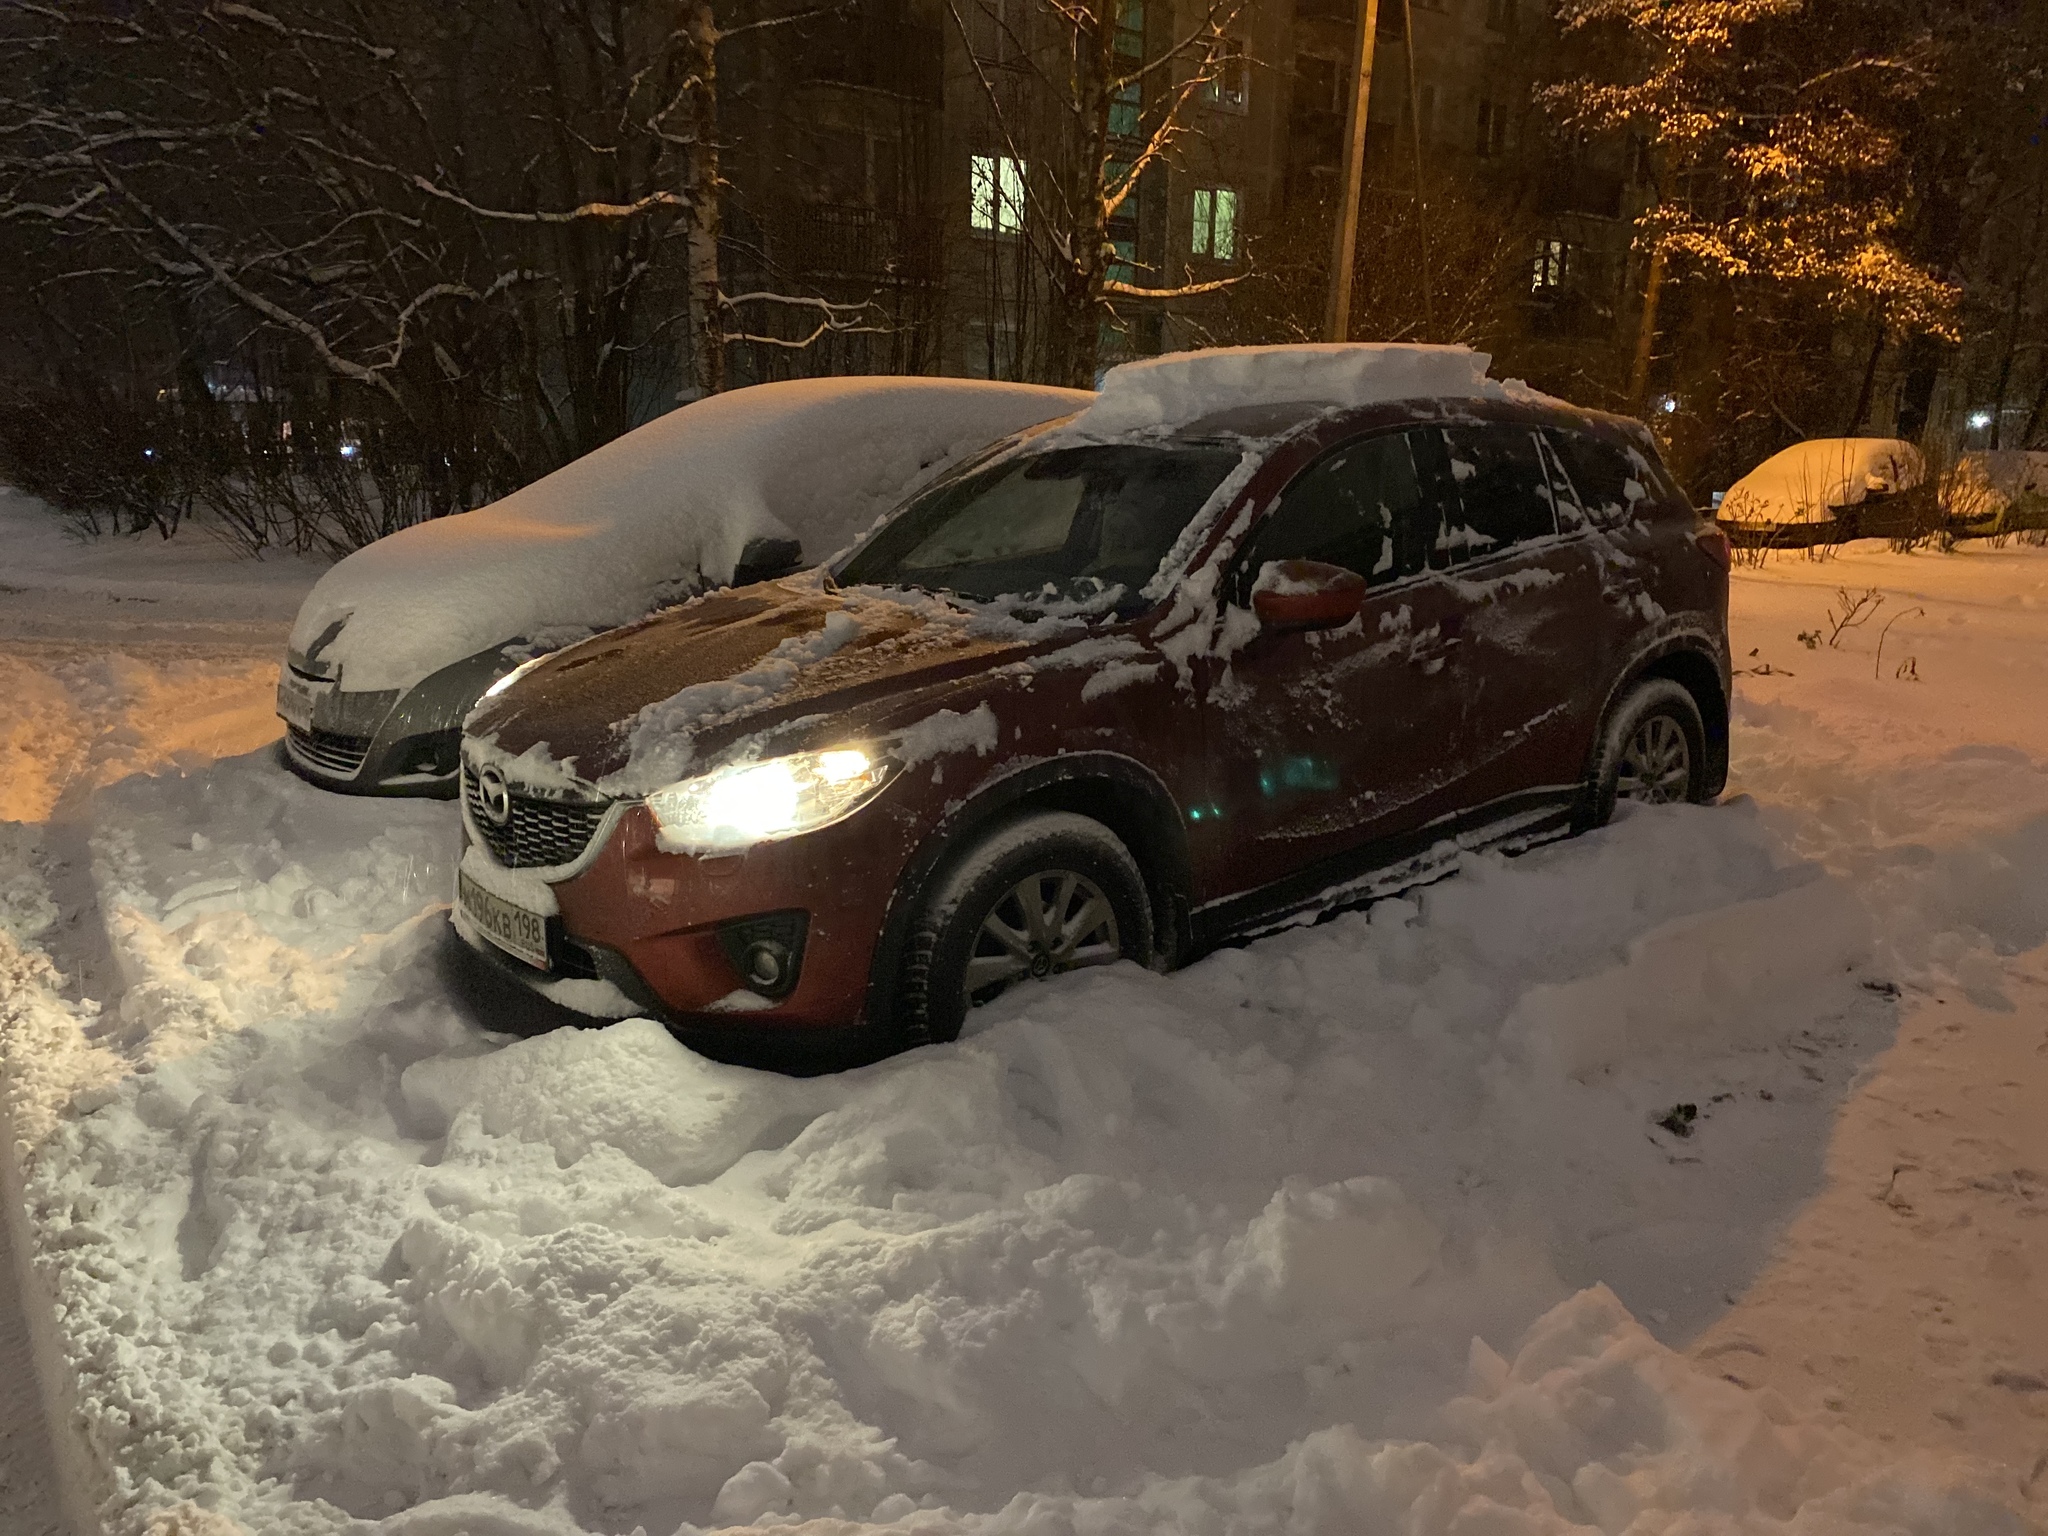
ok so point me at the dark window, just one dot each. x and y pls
(1362, 506)
(1066, 526)
(1610, 484)
(1502, 490)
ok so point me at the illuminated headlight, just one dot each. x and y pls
(512, 677)
(757, 802)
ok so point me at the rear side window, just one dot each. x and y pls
(1361, 506)
(1613, 481)
(1503, 491)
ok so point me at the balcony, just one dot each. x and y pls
(901, 58)
(850, 241)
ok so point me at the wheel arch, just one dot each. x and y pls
(1693, 663)
(1118, 791)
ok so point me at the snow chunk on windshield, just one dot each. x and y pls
(653, 516)
(1183, 387)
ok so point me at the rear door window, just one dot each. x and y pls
(1611, 484)
(1361, 506)
(1502, 489)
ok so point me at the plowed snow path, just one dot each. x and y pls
(1140, 1253)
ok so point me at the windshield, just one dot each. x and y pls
(1072, 525)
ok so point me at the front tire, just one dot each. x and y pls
(1653, 751)
(1046, 893)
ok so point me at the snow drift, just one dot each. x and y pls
(1809, 482)
(653, 514)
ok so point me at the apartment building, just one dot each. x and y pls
(903, 156)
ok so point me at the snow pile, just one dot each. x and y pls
(1181, 388)
(653, 515)
(326, 1252)
(1809, 481)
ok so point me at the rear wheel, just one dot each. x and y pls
(1046, 893)
(1653, 751)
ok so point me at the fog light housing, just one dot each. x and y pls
(767, 951)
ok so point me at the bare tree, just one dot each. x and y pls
(481, 237)
(1089, 112)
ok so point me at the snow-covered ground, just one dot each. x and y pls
(1368, 1227)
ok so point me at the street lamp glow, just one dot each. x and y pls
(1980, 419)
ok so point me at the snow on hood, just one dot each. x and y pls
(1181, 388)
(1804, 483)
(601, 541)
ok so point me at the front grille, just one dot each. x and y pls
(341, 756)
(539, 833)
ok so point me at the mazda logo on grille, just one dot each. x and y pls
(494, 797)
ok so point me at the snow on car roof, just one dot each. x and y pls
(1182, 388)
(1805, 482)
(601, 540)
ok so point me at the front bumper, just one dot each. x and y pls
(682, 935)
(400, 741)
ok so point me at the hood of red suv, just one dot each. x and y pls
(633, 709)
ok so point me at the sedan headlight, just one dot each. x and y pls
(731, 808)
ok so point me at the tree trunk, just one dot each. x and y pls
(1869, 381)
(1078, 305)
(2020, 283)
(1646, 331)
(706, 295)
(1345, 238)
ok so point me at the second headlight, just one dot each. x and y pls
(732, 808)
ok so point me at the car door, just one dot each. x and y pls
(1320, 743)
(1534, 625)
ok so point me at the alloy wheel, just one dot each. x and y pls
(1656, 765)
(1046, 923)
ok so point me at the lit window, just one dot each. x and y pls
(1553, 261)
(1215, 224)
(995, 193)
(1229, 87)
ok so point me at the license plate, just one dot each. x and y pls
(295, 698)
(505, 923)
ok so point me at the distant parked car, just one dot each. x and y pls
(1259, 633)
(1826, 491)
(1997, 491)
(396, 644)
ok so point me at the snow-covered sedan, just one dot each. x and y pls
(1825, 491)
(1258, 633)
(397, 643)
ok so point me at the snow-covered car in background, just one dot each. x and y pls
(1997, 491)
(397, 643)
(1827, 490)
(1259, 633)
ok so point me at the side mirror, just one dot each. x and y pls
(1306, 594)
(765, 559)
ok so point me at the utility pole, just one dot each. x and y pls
(1338, 327)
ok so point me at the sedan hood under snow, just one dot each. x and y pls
(632, 710)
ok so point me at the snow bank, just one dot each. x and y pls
(1183, 387)
(327, 1253)
(1808, 481)
(655, 513)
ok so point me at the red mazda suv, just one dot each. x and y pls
(1100, 695)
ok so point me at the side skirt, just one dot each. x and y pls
(1513, 824)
